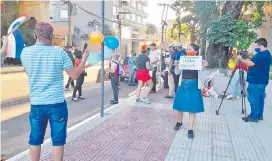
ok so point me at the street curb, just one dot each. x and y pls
(23, 70)
(25, 99)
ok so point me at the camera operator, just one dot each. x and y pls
(258, 78)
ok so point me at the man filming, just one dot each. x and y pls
(258, 78)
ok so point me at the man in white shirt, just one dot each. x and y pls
(154, 59)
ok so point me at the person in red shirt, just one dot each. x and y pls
(80, 79)
(235, 84)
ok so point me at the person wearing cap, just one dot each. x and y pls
(44, 65)
(142, 75)
(154, 59)
(114, 77)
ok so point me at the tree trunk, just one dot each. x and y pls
(234, 8)
(203, 48)
(193, 35)
(217, 56)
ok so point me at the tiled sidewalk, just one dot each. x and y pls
(145, 132)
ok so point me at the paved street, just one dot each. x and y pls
(145, 132)
(15, 85)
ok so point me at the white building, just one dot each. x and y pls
(132, 23)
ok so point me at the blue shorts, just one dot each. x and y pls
(57, 114)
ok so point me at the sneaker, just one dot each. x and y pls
(177, 127)
(249, 119)
(145, 100)
(168, 96)
(138, 101)
(229, 97)
(237, 97)
(74, 99)
(190, 134)
(260, 118)
(114, 102)
(81, 97)
(67, 89)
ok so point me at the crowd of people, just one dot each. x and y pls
(44, 65)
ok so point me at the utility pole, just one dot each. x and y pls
(102, 58)
(70, 22)
(121, 11)
(119, 33)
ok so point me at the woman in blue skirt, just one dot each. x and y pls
(188, 97)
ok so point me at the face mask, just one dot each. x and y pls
(190, 53)
(258, 50)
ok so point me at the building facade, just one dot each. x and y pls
(85, 18)
(132, 15)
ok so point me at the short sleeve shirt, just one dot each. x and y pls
(259, 73)
(141, 61)
(44, 67)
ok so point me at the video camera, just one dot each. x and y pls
(244, 54)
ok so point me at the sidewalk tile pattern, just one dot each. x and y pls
(133, 134)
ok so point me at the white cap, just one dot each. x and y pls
(178, 44)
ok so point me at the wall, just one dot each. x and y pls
(82, 19)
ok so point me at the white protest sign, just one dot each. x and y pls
(190, 62)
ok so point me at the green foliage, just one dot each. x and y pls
(243, 36)
(256, 13)
(222, 31)
(173, 33)
(231, 34)
(151, 29)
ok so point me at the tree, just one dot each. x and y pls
(219, 44)
(151, 29)
(9, 14)
(241, 36)
(206, 11)
(173, 33)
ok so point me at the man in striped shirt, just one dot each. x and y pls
(44, 65)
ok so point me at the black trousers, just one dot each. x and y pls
(78, 87)
(70, 81)
(154, 80)
(176, 81)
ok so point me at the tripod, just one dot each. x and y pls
(243, 91)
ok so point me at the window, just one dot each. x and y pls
(144, 8)
(133, 2)
(114, 10)
(139, 6)
(114, 26)
(144, 21)
(64, 14)
(133, 17)
(139, 19)
(128, 16)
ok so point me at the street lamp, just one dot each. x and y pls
(163, 21)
